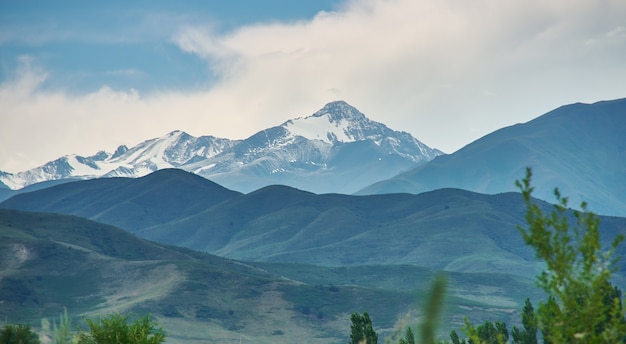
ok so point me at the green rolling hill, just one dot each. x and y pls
(447, 229)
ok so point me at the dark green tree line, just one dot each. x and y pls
(18, 334)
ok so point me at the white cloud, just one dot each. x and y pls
(435, 67)
(447, 71)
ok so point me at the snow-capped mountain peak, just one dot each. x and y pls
(336, 149)
(337, 122)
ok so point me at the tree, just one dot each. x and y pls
(362, 330)
(115, 329)
(583, 306)
(492, 333)
(487, 333)
(527, 335)
(409, 338)
(502, 331)
(62, 333)
(455, 338)
(18, 334)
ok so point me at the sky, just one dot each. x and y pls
(77, 77)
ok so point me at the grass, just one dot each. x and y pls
(480, 296)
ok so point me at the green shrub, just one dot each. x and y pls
(115, 329)
(18, 334)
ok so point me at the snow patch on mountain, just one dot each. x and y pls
(336, 122)
(169, 151)
(320, 128)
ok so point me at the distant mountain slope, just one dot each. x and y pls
(447, 229)
(337, 149)
(579, 148)
(156, 199)
(6, 193)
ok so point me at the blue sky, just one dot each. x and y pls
(82, 76)
(127, 44)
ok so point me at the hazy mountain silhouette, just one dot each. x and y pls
(579, 148)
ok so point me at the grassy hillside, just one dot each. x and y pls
(448, 229)
(53, 261)
(479, 296)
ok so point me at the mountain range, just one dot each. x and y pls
(446, 229)
(337, 149)
(579, 148)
